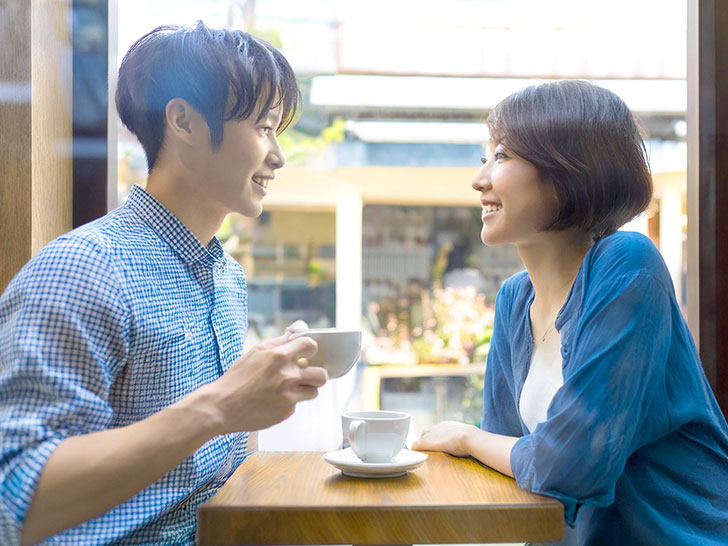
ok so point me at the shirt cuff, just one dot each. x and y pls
(524, 471)
(20, 479)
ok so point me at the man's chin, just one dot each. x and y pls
(251, 211)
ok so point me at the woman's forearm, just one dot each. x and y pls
(464, 440)
(491, 449)
(87, 475)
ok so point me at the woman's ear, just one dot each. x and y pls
(183, 122)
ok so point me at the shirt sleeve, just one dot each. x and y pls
(499, 406)
(63, 338)
(600, 416)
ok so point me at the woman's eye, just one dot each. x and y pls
(500, 155)
(484, 160)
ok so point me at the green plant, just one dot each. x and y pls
(446, 326)
(300, 147)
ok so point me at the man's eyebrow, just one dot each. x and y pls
(270, 116)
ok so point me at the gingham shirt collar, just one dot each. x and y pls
(172, 230)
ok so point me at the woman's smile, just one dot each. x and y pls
(490, 209)
(516, 202)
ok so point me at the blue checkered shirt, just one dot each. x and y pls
(105, 326)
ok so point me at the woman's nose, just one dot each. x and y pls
(481, 179)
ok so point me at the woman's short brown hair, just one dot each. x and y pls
(584, 140)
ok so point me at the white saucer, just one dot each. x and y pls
(346, 461)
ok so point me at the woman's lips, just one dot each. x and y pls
(490, 209)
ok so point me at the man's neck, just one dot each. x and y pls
(181, 198)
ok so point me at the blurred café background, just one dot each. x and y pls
(373, 224)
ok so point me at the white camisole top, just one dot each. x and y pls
(544, 378)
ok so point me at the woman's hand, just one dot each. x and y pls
(448, 436)
(464, 440)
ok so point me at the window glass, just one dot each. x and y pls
(376, 190)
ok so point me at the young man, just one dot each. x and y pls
(125, 401)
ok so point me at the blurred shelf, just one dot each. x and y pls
(372, 375)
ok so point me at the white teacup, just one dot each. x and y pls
(338, 350)
(376, 436)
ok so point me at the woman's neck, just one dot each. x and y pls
(553, 262)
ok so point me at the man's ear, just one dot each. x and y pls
(183, 121)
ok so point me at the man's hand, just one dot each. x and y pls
(263, 387)
(89, 474)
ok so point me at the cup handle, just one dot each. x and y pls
(357, 434)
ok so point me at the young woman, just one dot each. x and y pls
(594, 393)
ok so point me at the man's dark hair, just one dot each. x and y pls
(224, 74)
(584, 140)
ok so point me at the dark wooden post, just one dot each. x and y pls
(712, 115)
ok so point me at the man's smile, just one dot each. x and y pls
(261, 181)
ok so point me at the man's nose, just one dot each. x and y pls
(276, 157)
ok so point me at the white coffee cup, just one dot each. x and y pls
(338, 350)
(376, 436)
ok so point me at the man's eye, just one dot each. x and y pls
(266, 130)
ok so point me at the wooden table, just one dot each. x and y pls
(298, 498)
